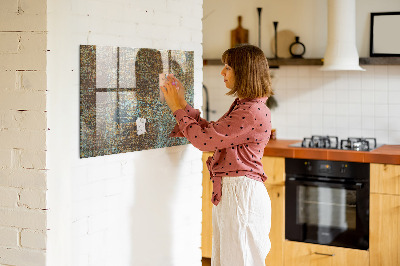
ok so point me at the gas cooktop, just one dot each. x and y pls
(332, 142)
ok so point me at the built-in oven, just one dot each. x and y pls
(327, 202)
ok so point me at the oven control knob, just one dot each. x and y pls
(343, 168)
(308, 166)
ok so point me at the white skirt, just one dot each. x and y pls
(241, 223)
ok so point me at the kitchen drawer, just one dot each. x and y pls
(305, 254)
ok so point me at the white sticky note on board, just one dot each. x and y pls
(141, 125)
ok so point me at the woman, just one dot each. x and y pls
(242, 211)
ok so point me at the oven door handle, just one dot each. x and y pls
(357, 185)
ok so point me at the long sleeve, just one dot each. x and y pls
(232, 130)
(193, 113)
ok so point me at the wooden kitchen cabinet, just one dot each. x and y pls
(385, 178)
(274, 168)
(277, 233)
(385, 215)
(305, 254)
(206, 225)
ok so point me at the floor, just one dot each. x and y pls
(206, 261)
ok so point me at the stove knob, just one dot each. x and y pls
(308, 166)
(343, 168)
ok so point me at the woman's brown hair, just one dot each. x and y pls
(250, 66)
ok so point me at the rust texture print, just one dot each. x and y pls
(121, 105)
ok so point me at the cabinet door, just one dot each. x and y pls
(274, 168)
(277, 233)
(304, 254)
(385, 178)
(384, 230)
(206, 226)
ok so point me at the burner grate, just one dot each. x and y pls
(332, 142)
(358, 144)
(327, 142)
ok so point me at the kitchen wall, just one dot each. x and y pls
(343, 103)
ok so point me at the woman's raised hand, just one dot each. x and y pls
(181, 90)
(174, 93)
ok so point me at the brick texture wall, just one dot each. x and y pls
(141, 208)
(23, 132)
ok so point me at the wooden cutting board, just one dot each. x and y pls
(239, 35)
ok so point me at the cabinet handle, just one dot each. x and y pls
(324, 254)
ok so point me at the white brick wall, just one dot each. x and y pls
(98, 208)
(23, 132)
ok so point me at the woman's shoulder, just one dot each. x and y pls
(257, 104)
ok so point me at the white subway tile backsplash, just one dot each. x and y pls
(367, 83)
(304, 82)
(381, 84)
(381, 136)
(367, 96)
(355, 96)
(329, 93)
(342, 109)
(393, 71)
(394, 110)
(329, 123)
(342, 96)
(394, 83)
(304, 72)
(355, 132)
(315, 71)
(381, 122)
(354, 122)
(368, 123)
(394, 97)
(394, 137)
(381, 110)
(292, 83)
(367, 133)
(316, 82)
(394, 123)
(342, 81)
(347, 103)
(342, 122)
(381, 97)
(380, 71)
(329, 109)
(367, 110)
(291, 71)
(328, 74)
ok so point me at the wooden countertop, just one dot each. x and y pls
(389, 154)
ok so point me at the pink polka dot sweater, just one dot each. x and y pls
(238, 139)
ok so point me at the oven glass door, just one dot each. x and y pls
(326, 213)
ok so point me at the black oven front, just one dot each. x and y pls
(327, 202)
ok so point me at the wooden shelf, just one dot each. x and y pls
(274, 63)
(380, 61)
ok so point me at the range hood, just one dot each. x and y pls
(341, 51)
